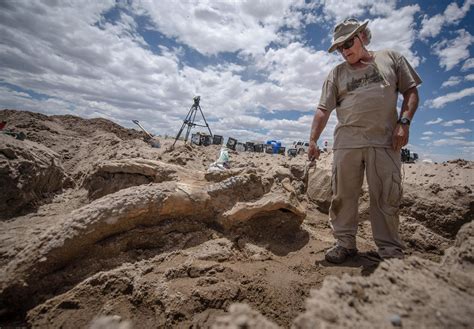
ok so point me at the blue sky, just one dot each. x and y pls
(257, 65)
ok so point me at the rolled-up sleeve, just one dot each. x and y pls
(328, 100)
(406, 74)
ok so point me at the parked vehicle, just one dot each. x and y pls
(407, 156)
(300, 146)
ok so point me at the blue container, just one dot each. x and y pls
(275, 146)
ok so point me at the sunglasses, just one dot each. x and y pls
(346, 45)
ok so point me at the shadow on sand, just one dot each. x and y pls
(368, 261)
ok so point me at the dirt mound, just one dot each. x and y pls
(46, 129)
(87, 127)
(439, 196)
(461, 163)
(400, 293)
(30, 174)
(124, 234)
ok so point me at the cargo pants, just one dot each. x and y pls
(382, 168)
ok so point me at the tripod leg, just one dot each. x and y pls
(187, 134)
(210, 132)
(191, 122)
(179, 133)
(186, 122)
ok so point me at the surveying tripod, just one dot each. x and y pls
(189, 121)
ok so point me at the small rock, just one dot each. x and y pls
(396, 320)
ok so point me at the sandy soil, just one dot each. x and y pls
(98, 229)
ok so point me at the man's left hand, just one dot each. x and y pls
(400, 136)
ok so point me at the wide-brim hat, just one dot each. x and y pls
(345, 31)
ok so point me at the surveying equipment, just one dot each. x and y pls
(189, 120)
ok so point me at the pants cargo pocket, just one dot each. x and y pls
(395, 193)
(335, 200)
(334, 181)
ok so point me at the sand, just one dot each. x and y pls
(99, 229)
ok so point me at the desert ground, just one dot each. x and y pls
(100, 230)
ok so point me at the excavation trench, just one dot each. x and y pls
(127, 247)
(276, 232)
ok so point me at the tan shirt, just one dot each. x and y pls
(365, 99)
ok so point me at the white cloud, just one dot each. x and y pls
(441, 101)
(452, 52)
(223, 26)
(98, 68)
(428, 133)
(452, 15)
(469, 77)
(463, 130)
(396, 32)
(426, 138)
(431, 26)
(452, 81)
(468, 64)
(456, 132)
(298, 66)
(338, 10)
(456, 153)
(19, 100)
(434, 122)
(453, 122)
(88, 64)
(453, 142)
(67, 57)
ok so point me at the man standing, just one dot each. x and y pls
(368, 137)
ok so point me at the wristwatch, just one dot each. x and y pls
(404, 121)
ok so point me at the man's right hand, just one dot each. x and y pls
(313, 151)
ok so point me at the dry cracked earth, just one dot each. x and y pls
(100, 230)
